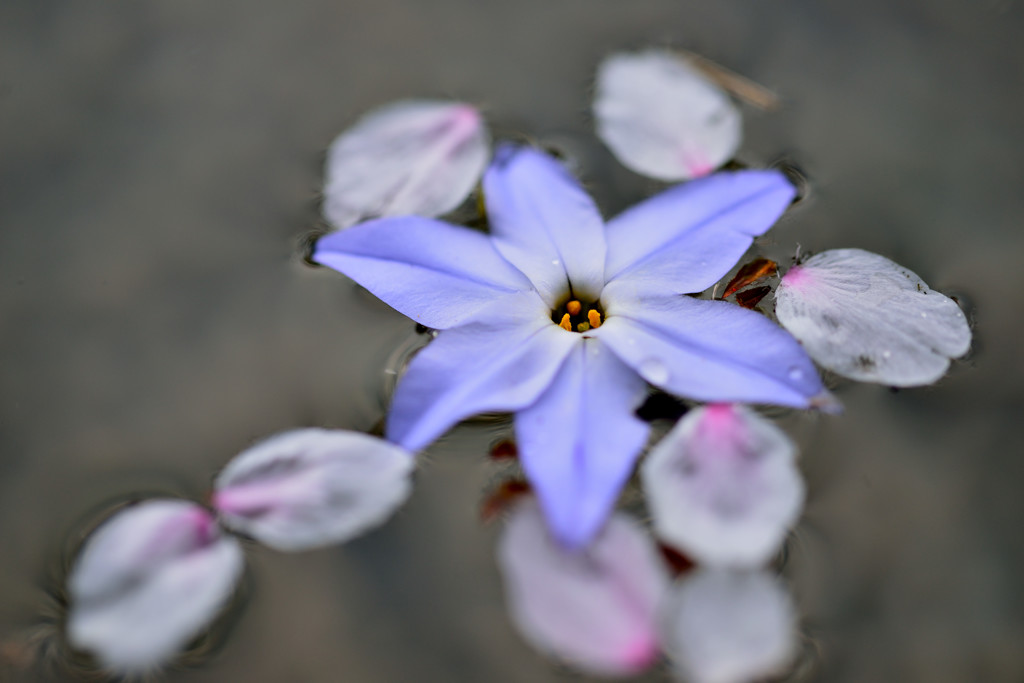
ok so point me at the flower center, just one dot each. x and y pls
(577, 317)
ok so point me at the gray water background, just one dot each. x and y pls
(160, 160)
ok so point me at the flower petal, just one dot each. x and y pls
(438, 274)
(662, 117)
(411, 157)
(867, 318)
(147, 581)
(729, 627)
(312, 487)
(595, 608)
(545, 224)
(711, 351)
(476, 368)
(579, 441)
(723, 487)
(686, 238)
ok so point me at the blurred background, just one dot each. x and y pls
(160, 163)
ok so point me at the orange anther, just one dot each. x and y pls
(595, 319)
(574, 307)
(565, 324)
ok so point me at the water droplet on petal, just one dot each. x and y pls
(908, 319)
(796, 374)
(654, 371)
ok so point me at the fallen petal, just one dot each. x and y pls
(148, 581)
(502, 497)
(412, 157)
(750, 298)
(729, 627)
(504, 450)
(662, 117)
(750, 273)
(723, 487)
(867, 318)
(596, 608)
(677, 562)
(313, 487)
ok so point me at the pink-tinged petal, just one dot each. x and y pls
(480, 367)
(723, 487)
(313, 487)
(545, 224)
(438, 274)
(662, 117)
(147, 581)
(686, 238)
(595, 608)
(412, 157)
(723, 626)
(578, 443)
(712, 351)
(869, 319)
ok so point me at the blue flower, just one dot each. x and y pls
(562, 319)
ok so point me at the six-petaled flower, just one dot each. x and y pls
(562, 319)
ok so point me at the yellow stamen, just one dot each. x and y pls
(583, 327)
(595, 318)
(565, 324)
(574, 307)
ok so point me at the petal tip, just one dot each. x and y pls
(572, 531)
(826, 402)
(781, 183)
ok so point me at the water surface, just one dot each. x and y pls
(159, 163)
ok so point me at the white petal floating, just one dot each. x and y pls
(148, 581)
(418, 157)
(869, 319)
(723, 486)
(724, 626)
(596, 608)
(312, 487)
(662, 118)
